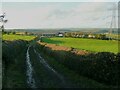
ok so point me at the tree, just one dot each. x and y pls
(14, 32)
(26, 33)
(3, 20)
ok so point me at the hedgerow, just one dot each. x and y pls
(102, 66)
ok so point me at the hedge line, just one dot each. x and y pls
(102, 66)
(13, 64)
(11, 49)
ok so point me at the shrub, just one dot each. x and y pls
(11, 49)
(101, 66)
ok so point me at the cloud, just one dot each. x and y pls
(59, 15)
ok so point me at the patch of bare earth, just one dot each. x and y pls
(63, 48)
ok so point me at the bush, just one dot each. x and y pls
(102, 66)
(11, 49)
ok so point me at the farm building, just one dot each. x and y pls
(60, 34)
(20, 33)
(48, 34)
(91, 36)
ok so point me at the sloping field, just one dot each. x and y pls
(86, 44)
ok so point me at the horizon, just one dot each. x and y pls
(56, 28)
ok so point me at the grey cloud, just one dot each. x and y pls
(60, 14)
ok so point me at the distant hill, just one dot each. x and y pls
(92, 30)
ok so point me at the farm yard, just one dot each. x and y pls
(94, 45)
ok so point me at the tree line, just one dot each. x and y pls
(89, 35)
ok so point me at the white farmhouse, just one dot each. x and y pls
(60, 35)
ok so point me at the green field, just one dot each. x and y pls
(17, 37)
(86, 44)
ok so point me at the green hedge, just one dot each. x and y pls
(102, 66)
(13, 64)
(11, 49)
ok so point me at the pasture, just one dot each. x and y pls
(17, 37)
(85, 44)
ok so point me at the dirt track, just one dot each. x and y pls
(46, 75)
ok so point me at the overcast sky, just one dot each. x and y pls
(58, 15)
